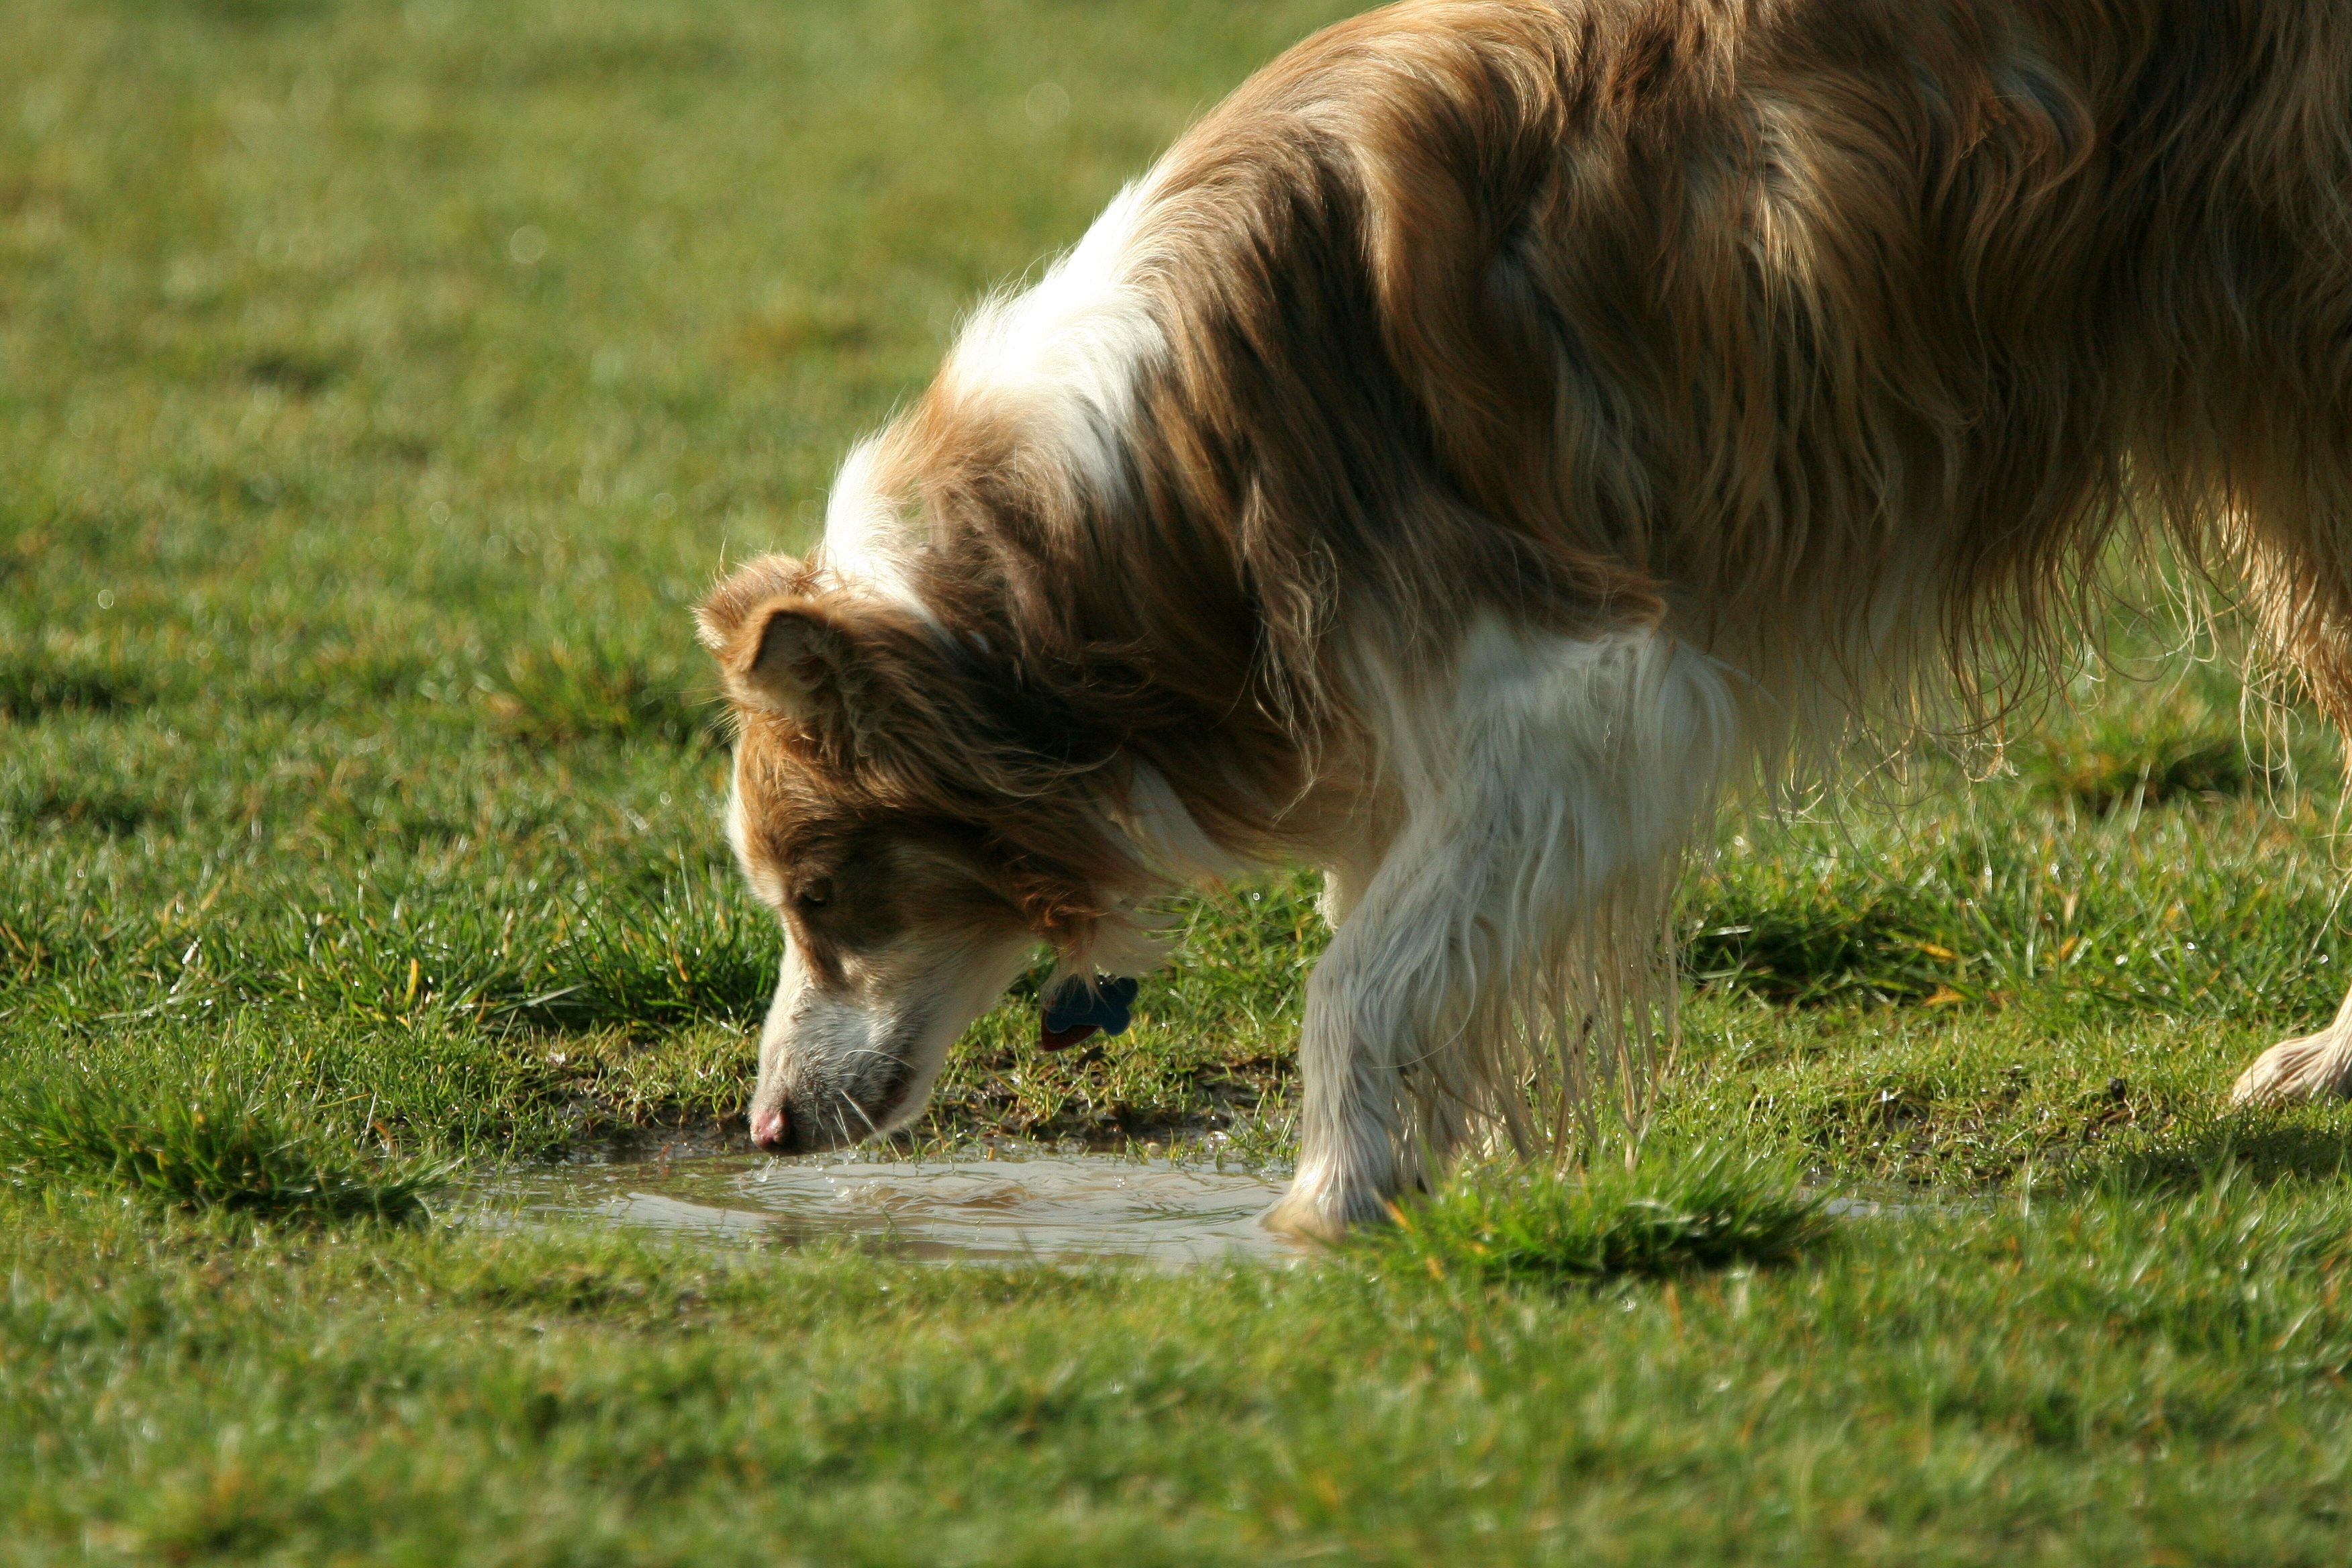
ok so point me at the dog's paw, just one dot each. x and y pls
(2312, 1068)
(1299, 1215)
(1324, 1207)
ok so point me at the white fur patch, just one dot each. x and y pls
(1067, 354)
(1547, 790)
(735, 835)
(1172, 844)
(1167, 837)
(763, 883)
(868, 543)
(1071, 351)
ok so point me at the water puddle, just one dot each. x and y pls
(1030, 1208)
(1049, 1208)
(1891, 1208)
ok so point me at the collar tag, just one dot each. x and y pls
(1077, 1010)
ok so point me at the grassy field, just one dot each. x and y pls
(379, 386)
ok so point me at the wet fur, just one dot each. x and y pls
(1501, 427)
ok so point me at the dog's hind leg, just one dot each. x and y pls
(1546, 784)
(2310, 1067)
(2300, 578)
(2299, 574)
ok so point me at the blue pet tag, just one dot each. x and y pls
(1079, 1010)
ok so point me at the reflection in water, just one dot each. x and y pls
(1050, 1209)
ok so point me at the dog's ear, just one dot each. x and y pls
(787, 646)
(795, 658)
(719, 618)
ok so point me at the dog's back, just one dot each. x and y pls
(1756, 315)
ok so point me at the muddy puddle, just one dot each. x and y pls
(1047, 1209)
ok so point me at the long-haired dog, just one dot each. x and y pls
(1496, 430)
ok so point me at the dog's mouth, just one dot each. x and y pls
(831, 1115)
(841, 1070)
(853, 1119)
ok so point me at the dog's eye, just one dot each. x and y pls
(815, 896)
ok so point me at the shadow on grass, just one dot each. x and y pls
(90, 806)
(1818, 945)
(37, 681)
(221, 1141)
(2263, 1147)
(2125, 763)
(1674, 1212)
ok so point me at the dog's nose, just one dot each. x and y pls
(768, 1128)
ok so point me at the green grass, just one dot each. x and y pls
(1669, 1210)
(2104, 1380)
(381, 383)
(229, 1140)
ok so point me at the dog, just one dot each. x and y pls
(1496, 434)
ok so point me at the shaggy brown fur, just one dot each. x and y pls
(1836, 338)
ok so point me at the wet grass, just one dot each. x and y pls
(379, 386)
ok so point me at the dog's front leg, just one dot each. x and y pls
(1374, 1011)
(1550, 780)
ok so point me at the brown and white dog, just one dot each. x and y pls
(1498, 429)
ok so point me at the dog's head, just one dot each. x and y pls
(910, 838)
